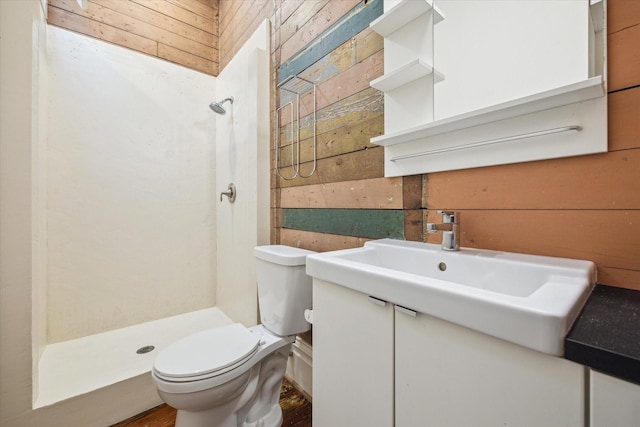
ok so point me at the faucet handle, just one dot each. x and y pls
(450, 217)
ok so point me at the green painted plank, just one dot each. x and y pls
(342, 30)
(369, 223)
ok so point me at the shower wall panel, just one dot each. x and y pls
(131, 205)
(242, 153)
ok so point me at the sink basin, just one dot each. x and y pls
(525, 299)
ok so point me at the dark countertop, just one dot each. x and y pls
(606, 335)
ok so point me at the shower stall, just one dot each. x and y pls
(140, 250)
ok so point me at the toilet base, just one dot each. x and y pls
(217, 417)
(272, 419)
(212, 418)
(257, 404)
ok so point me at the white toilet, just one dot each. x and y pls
(230, 376)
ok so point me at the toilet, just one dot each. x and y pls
(230, 376)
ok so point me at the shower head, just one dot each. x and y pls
(217, 106)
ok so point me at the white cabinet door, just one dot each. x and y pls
(450, 376)
(614, 402)
(352, 358)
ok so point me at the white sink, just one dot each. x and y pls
(525, 299)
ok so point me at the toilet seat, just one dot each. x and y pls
(206, 354)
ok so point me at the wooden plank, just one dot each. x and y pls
(366, 43)
(413, 225)
(356, 20)
(265, 12)
(235, 35)
(160, 416)
(79, 24)
(335, 84)
(322, 19)
(364, 164)
(228, 10)
(351, 52)
(622, 14)
(623, 55)
(208, 11)
(244, 15)
(376, 193)
(624, 126)
(369, 223)
(412, 191)
(157, 19)
(608, 238)
(288, 7)
(349, 82)
(186, 59)
(303, 13)
(237, 41)
(277, 219)
(327, 67)
(134, 26)
(345, 139)
(629, 279)
(178, 13)
(319, 242)
(601, 181)
(363, 105)
(209, 3)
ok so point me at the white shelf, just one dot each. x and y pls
(406, 74)
(403, 13)
(565, 95)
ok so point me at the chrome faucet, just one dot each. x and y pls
(450, 230)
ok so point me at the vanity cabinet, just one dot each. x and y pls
(379, 364)
(352, 358)
(448, 375)
(614, 402)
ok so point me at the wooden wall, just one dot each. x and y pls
(181, 31)
(583, 207)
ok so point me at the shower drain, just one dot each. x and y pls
(145, 349)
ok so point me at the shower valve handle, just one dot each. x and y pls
(230, 193)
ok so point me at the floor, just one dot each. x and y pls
(296, 410)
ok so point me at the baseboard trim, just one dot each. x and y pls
(300, 367)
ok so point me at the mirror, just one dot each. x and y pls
(471, 83)
(494, 51)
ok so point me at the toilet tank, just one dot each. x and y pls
(284, 289)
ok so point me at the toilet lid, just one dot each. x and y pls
(206, 353)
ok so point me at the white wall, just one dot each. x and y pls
(39, 99)
(131, 188)
(22, 25)
(242, 153)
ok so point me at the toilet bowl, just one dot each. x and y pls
(230, 376)
(212, 375)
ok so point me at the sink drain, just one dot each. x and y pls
(442, 266)
(145, 349)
